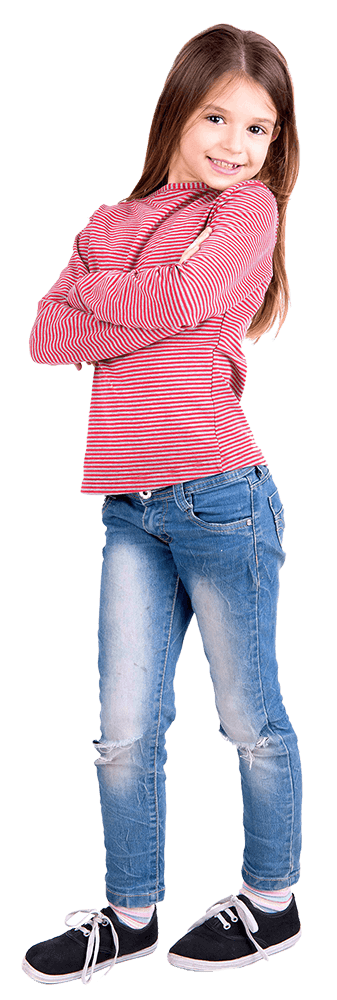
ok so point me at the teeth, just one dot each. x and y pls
(223, 163)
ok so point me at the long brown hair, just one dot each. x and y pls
(198, 66)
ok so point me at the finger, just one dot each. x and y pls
(202, 236)
(191, 250)
(206, 232)
(195, 245)
(78, 364)
(199, 239)
(187, 254)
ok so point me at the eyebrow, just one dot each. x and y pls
(224, 112)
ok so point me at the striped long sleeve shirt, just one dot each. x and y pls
(165, 405)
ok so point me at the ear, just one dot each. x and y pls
(276, 132)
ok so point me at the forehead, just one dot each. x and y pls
(245, 93)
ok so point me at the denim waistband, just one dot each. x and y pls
(198, 485)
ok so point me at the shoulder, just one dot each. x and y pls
(107, 216)
(249, 191)
(249, 200)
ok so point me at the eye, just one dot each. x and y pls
(214, 116)
(261, 131)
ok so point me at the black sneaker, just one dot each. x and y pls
(233, 933)
(72, 956)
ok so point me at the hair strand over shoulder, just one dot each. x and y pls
(202, 61)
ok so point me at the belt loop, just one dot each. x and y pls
(179, 496)
(259, 471)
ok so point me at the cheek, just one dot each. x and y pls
(191, 148)
(197, 141)
(258, 152)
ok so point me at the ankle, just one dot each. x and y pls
(271, 901)
(133, 916)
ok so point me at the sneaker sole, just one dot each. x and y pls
(41, 977)
(196, 965)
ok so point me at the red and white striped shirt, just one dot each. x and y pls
(165, 406)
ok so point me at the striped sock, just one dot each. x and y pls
(270, 902)
(133, 916)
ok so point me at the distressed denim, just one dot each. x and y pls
(213, 547)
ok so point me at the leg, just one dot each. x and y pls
(229, 560)
(144, 614)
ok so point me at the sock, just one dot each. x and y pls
(133, 916)
(270, 902)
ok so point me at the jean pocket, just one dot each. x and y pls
(226, 508)
(277, 509)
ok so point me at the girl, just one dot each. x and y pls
(194, 521)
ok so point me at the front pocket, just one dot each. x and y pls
(277, 508)
(226, 526)
(226, 508)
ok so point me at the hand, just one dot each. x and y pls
(78, 364)
(196, 244)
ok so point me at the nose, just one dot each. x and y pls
(233, 140)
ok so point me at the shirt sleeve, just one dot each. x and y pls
(88, 316)
(62, 334)
(66, 334)
(171, 298)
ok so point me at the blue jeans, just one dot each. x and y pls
(212, 546)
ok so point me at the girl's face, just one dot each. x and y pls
(235, 124)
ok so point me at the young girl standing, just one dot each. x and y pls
(158, 295)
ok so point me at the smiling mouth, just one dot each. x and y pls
(224, 163)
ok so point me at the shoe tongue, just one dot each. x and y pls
(249, 903)
(255, 912)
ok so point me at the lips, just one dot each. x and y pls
(224, 163)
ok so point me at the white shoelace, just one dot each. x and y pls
(95, 918)
(244, 914)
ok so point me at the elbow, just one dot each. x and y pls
(38, 349)
(34, 349)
